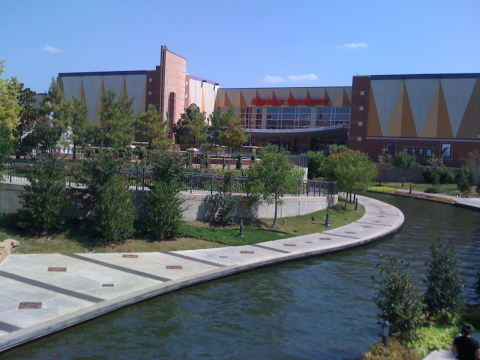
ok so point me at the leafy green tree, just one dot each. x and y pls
(163, 211)
(29, 117)
(117, 118)
(464, 179)
(472, 161)
(168, 167)
(351, 169)
(97, 171)
(216, 124)
(223, 205)
(80, 131)
(315, 160)
(437, 172)
(404, 162)
(444, 280)
(114, 210)
(229, 130)
(274, 177)
(150, 127)
(191, 129)
(9, 107)
(397, 298)
(44, 200)
(6, 147)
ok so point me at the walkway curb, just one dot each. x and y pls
(86, 272)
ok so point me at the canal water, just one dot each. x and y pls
(319, 308)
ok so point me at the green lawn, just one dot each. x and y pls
(78, 237)
(447, 189)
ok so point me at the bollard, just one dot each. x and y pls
(356, 204)
(410, 189)
(327, 219)
(385, 332)
(241, 228)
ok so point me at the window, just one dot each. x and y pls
(428, 152)
(362, 93)
(446, 151)
(361, 108)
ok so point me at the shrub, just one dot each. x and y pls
(222, 208)
(44, 200)
(464, 179)
(163, 212)
(395, 351)
(432, 190)
(431, 176)
(431, 338)
(397, 299)
(114, 210)
(444, 282)
(169, 167)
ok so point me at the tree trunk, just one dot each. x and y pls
(275, 216)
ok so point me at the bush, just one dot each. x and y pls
(169, 167)
(432, 190)
(438, 173)
(444, 282)
(44, 200)
(397, 299)
(163, 212)
(114, 210)
(395, 351)
(430, 338)
(431, 176)
(222, 208)
(464, 179)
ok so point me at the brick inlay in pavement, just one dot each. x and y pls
(289, 244)
(130, 256)
(174, 267)
(247, 252)
(223, 257)
(57, 269)
(108, 285)
(34, 305)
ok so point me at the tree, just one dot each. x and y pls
(150, 127)
(437, 172)
(229, 130)
(168, 167)
(78, 123)
(351, 169)
(29, 117)
(114, 210)
(44, 200)
(117, 117)
(163, 211)
(444, 280)
(315, 160)
(9, 106)
(274, 177)
(191, 129)
(397, 299)
(6, 147)
(385, 161)
(404, 162)
(473, 163)
(464, 179)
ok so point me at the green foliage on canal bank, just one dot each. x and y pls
(78, 235)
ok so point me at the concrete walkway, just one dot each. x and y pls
(472, 203)
(44, 293)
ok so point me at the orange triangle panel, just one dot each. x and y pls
(373, 128)
(408, 125)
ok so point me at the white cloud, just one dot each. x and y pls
(273, 79)
(357, 45)
(51, 49)
(303, 77)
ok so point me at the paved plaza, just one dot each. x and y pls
(44, 293)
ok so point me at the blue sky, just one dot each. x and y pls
(261, 43)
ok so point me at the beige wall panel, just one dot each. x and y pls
(92, 87)
(136, 86)
(373, 124)
(386, 94)
(444, 128)
(114, 83)
(210, 94)
(408, 125)
(334, 94)
(420, 94)
(175, 76)
(249, 95)
(394, 127)
(457, 94)
(470, 126)
(429, 128)
(71, 86)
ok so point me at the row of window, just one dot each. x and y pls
(422, 152)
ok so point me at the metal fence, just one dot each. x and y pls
(141, 178)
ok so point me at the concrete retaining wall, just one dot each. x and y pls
(195, 205)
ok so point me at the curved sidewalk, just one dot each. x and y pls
(44, 293)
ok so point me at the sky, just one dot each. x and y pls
(241, 44)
